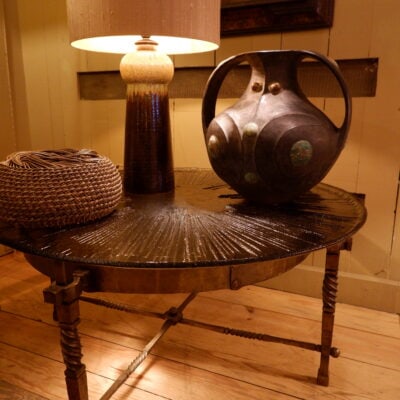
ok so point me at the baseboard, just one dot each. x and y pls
(359, 290)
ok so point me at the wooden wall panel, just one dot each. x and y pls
(49, 69)
(315, 40)
(14, 55)
(102, 127)
(33, 38)
(7, 128)
(242, 44)
(395, 249)
(195, 60)
(186, 127)
(345, 172)
(350, 34)
(380, 150)
(370, 162)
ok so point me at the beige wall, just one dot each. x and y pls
(40, 108)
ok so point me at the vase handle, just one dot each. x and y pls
(335, 70)
(214, 84)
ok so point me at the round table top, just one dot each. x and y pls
(202, 223)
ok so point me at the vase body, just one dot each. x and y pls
(273, 144)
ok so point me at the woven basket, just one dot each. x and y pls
(54, 188)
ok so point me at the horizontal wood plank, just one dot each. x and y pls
(293, 304)
(8, 391)
(190, 82)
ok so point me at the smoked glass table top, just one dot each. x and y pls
(202, 223)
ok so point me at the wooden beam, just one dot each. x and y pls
(314, 78)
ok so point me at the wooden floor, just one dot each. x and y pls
(191, 363)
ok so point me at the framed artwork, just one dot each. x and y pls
(245, 17)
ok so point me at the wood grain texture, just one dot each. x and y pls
(8, 391)
(193, 363)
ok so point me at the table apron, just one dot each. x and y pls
(103, 278)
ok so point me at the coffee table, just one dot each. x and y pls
(201, 237)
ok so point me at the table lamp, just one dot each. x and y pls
(146, 31)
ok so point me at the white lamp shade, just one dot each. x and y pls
(178, 26)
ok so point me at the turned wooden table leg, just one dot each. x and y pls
(66, 305)
(329, 290)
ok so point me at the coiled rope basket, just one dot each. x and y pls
(54, 188)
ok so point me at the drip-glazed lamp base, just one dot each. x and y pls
(148, 163)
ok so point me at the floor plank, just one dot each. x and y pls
(158, 375)
(8, 391)
(293, 304)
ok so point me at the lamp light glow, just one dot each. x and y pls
(124, 44)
